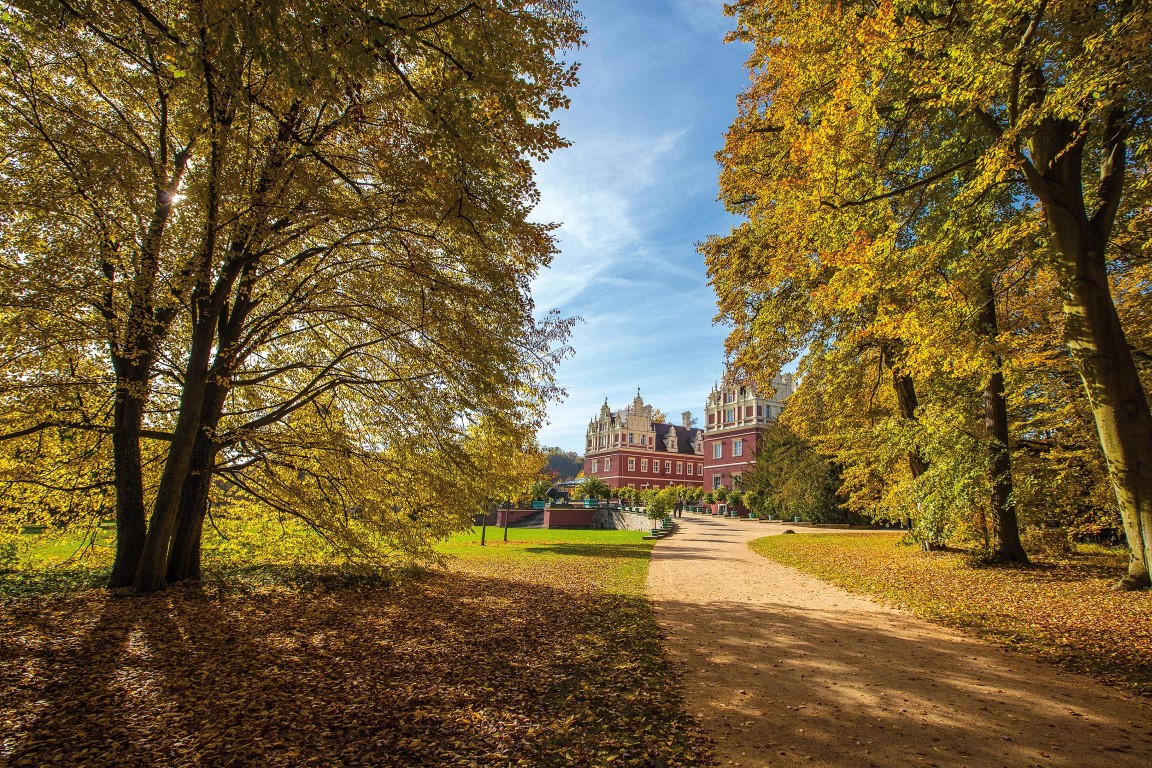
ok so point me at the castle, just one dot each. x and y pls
(634, 447)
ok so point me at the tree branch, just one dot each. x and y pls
(1112, 167)
(908, 188)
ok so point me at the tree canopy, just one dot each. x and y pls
(943, 206)
(284, 245)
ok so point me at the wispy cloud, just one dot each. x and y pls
(601, 211)
(633, 194)
(705, 15)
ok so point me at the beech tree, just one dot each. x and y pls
(894, 113)
(329, 211)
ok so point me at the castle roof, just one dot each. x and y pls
(685, 436)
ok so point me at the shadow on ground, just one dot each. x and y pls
(782, 684)
(451, 670)
(640, 551)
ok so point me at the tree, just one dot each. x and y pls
(660, 504)
(788, 476)
(899, 120)
(340, 224)
(539, 489)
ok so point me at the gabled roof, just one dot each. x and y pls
(685, 436)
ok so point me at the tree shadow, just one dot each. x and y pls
(610, 551)
(780, 683)
(451, 669)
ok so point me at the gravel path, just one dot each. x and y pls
(786, 670)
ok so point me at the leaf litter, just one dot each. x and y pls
(499, 661)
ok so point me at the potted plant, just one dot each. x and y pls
(539, 493)
(593, 489)
(659, 505)
(735, 500)
(721, 496)
(752, 503)
(625, 495)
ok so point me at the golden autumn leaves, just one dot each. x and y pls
(943, 207)
(273, 256)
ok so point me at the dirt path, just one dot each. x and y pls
(785, 670)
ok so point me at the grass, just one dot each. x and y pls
(539, 652)
(56, 547)
(1061, 608)
(612, 561)
(55, 562)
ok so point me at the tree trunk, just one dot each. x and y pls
(1006, 544)
(184, 554)
(144, 330)
(128, 418)
(1093, 332)
(1119, 404)
(152, 573)
(206, 307)
(905, 389)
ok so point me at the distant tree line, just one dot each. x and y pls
(566, 464)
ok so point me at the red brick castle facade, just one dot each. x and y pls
(734, 416)
(633, 447)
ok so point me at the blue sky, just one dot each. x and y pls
(634, 193)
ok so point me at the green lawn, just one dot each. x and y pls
(612, 561)
(55, 547)
(521, 536)
(1061, 608)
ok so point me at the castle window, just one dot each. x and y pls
(643, 465)
(667, 467)
(607, 464)
(737, 447)
(717, 450)
(679, 467)
(631, 464)
(595, 467)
